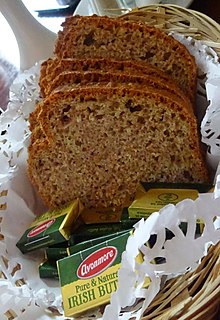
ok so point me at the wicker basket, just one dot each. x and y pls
(195, 295)
(177, 19)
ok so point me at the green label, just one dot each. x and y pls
(83, 295)
(68, 267)
(41, 235)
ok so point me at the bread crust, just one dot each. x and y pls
(51, 68)
(92, 78)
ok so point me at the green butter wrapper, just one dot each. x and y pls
(48, 269)
(91, 231)
(92, 242)
(57, 253)
(50, 228)
(200, 187)
(89, 277)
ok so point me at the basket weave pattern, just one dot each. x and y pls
(171, 18)
(194, 295)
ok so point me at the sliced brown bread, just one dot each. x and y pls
(33, 121)
(51, 68)
(67, 24)
(88, 78)
(101, 141)
(95, 37)
(67, 80)
(34, 125)
(44, 69)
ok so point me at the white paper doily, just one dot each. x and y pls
(208, 95)
(27, 296)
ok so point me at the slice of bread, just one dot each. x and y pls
(67, 24)
(95, 37)
(101, 141)
(68, 80)
(88, 78)
(51, 68)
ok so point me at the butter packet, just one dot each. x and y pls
(89, 277)
(95, 216)
(50, 228)
(157, 195)
(109, 215)
(57, 253)
(48, 270)
(91, 231)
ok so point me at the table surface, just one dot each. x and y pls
(209, 7)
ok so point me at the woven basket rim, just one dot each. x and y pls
(178, 7)
(169, 17)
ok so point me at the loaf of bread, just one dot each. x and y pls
(52, 67)
(95, 37)
(116, 109)
(99, 142)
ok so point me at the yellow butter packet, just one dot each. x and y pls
(155, 199)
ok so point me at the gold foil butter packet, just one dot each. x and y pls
(50, 228)
(158, 195)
